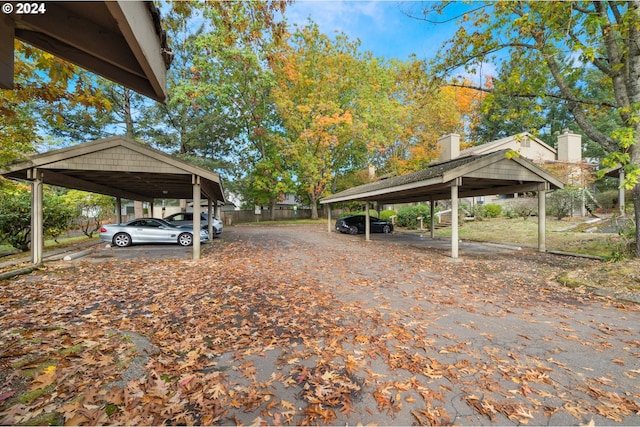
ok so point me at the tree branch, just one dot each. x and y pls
(535, 95)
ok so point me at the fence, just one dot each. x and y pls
(235, 217)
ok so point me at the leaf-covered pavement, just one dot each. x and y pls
(292, 325)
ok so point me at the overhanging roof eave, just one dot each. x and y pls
(458, 169)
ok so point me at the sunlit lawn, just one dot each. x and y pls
(525, 233)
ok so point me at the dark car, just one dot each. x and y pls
(356, 224)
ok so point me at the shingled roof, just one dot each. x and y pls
(493, 173)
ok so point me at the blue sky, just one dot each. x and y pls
(381, 26)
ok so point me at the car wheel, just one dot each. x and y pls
(386, 229)
(122, 240)
(353, 229)
(185, 239)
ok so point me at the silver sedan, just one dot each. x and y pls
(148, 230)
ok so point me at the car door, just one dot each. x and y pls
(150, 231)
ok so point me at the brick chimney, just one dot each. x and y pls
(569, 147)
(449, 147)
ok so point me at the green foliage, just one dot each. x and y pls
(523, 207)
(560, 203)
(408, 216)
(486, 211)
(626, 247)
(492, 210)
(15, 215)
(387, 214)
(89, 209)
(608, 199)
(577, 53)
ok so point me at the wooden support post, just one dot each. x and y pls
(118, 210)
(542, 220)
(454, 220)
(328, 205)
(209, 217)
(37, 217)
(432, 223)
(196, 217)
(367, 222)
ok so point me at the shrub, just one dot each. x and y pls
(408, 216)
(481, 212)
(492, 210)
(608, 200)
(387, 214)
(523, 207)
(560, 203)
(15, 216)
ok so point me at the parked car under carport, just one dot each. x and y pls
(355, 224)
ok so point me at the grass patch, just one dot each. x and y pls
(521, 232)
(46, 419)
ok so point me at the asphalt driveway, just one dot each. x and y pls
(294, 325)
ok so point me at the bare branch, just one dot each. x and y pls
(534, 95)
(430, 21)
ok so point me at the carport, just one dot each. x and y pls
(118, 167)
(501, 172)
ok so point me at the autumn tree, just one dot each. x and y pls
(315, 96)
(45, 87)
(430, 111)
(554, 42)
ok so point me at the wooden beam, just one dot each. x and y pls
(60, 24)
(542, 221)
(454, 221)
(62, 180)
(196, 217)
(7, 27)
(138, 29)
(37, 217)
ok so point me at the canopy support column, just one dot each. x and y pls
(216, 210)
(367, 222)
(118, 210)
(542, 218)
(432, 220)
(195, 180)
(328, 217)
(37, 217)
(209, 215)
(454, 217)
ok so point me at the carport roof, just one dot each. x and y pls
(120, 40)
(500, 172)
(119, 167)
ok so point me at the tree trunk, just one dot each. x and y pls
(314, 207)
(272, 209)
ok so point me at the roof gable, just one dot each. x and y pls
(119, 166)
(485, 174)
(536, 149)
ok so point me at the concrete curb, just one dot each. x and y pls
(80, 254)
